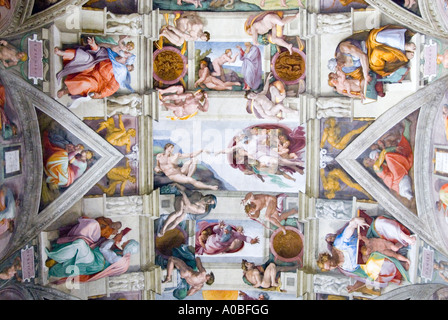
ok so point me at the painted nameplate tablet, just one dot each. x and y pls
(35, 64)
(27, 257)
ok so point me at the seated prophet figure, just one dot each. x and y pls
(383, 51)
(78, 259)
(92, 231)
(377, 267)
(92, 71)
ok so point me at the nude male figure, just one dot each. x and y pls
(207, 80)
(254, 203)
(196, 279)
(167, 162)
(273, 24)
(220, 61)
(9, 55)
(269, 108)
(188, 27)
(282, 3)
(265, 280)
(352, 88)
(183, 103)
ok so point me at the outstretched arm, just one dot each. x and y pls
(191, 155)
(201, 79)
(199, 265)
(205, 105)
(266, 84)
(356, 52)
(353, 226)
(193, 290)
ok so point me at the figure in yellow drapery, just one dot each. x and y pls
(388, 50)
(385, 59)
(332, 133)
(117, 136)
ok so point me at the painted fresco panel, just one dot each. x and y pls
(228, 5)
(227, 170)
(336, 134)
(395, 149)
(65, 158)
(114, 6)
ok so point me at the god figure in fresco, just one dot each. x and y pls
(260, 150)
(216, 238)
(380, 262)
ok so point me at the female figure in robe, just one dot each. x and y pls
(63, 168)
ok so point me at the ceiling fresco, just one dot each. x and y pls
(192, 150)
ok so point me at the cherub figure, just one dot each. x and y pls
(9, 55)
